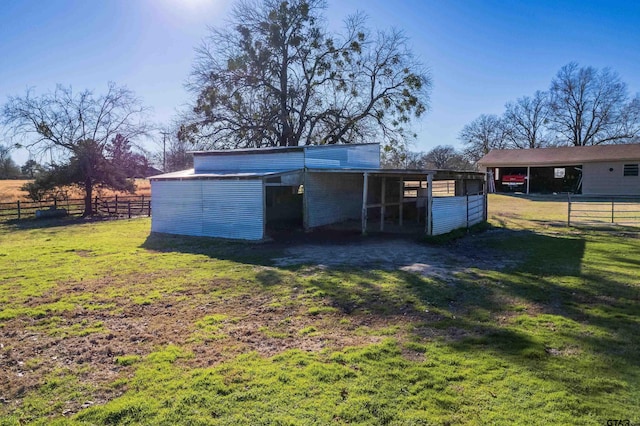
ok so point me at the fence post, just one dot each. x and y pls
(568, 210)
(95, 205)
(612, 208)
(18, 209)
(129, 208)
(467, 210)
(149, 211)
(116, 212)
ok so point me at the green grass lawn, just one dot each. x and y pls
(101, 323)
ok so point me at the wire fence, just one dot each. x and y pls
(116, 207)
(601, 211)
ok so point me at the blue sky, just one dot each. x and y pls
(481, 53)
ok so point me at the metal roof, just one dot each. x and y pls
(437, 174)
(566, 155)
(273, 149)
(222, 174)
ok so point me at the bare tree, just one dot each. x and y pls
(75, 129)
(273, 76)
(445, 157)
(526, 119)
(173, 153)
(8, 168)
(483, 134)
(592, 107)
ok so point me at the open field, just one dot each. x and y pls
(10, 191)
(526, 322)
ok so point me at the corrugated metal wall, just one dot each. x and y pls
(289, 160)
(233, 209)
(450, 213)
(332, 198)
(346, 156)
(176, 207)
(211, 208)
(598, 180)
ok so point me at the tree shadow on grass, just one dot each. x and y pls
(544, 273)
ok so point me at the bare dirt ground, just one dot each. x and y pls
(395, 253)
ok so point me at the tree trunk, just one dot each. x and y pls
(88, 192)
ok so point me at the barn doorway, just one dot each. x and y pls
(283, 208)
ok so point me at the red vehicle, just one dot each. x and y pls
(514, 181)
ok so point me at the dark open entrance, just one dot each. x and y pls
(283, 207)
(547, 180)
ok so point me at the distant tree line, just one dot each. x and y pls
(583, 106)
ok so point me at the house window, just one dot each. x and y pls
(630, 170)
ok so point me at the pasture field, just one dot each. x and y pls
(10, 191)
(522, 322)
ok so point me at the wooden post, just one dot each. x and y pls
(149, 211)
(528, 178)
(95, 205)
(18, 209)
(382, 196)
(129, 208)
(612, 208)
(116, 210)
(400, 207)
(568, 209)
(365, 185)
(429, 213)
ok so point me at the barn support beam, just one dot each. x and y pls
(429, 214)
(365, 188)
(383, 200)
(401, 201)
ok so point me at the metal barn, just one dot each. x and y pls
(590, 170)
(248, 194)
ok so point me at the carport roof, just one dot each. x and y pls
(408, 173)
(222, 174)
(566, 155)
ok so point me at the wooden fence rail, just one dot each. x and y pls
(118, 206)
(600, 210)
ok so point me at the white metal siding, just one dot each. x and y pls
(176, 207)
(346, 156)
(450, 213)
(332, 198)
(233, 209)
(598, 180)
(210, 208)
(289, 160)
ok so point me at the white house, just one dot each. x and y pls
(591, 170)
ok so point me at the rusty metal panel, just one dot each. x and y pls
(266, 161)
(176, 207)
(233, 209)
(332, 198)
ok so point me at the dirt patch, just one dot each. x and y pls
(396, 254)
